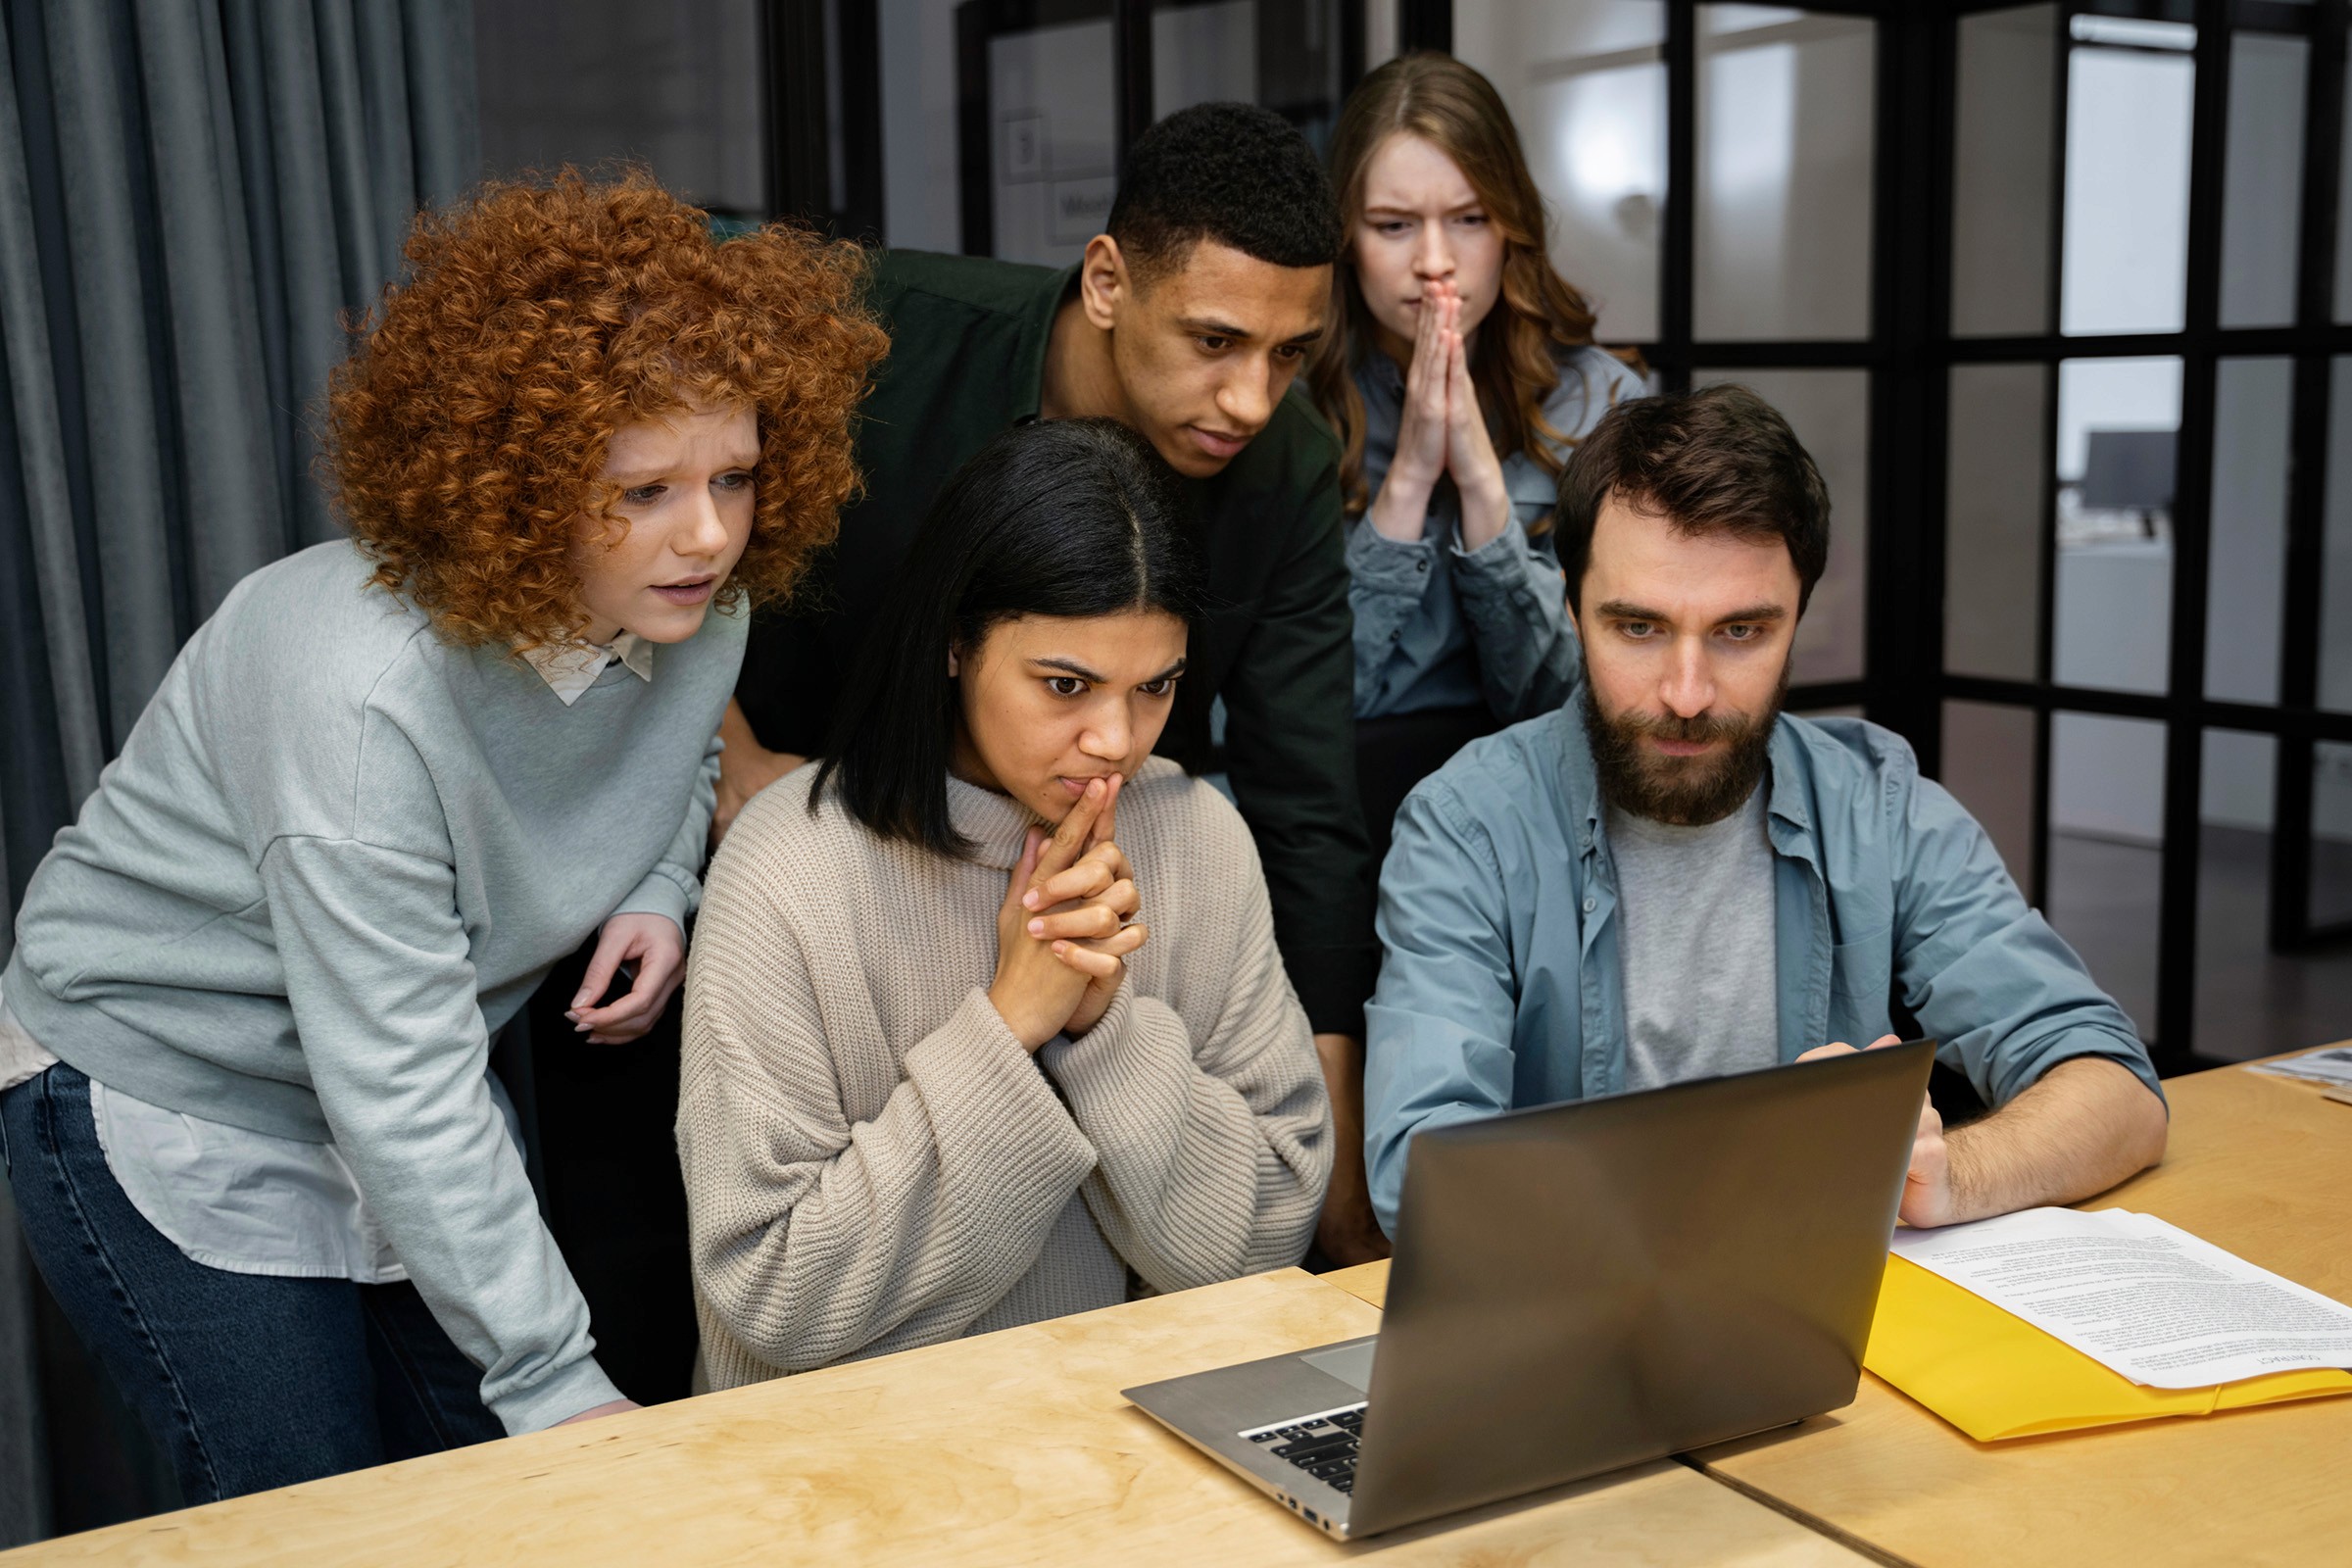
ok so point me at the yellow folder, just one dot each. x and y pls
(1994, 1375)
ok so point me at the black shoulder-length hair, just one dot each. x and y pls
(1065, 517)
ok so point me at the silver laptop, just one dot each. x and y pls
(1586, 1286)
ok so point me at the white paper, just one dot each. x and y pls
(2140, 1297)
(2333, 1066)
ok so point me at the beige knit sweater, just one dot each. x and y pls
(874, 1162)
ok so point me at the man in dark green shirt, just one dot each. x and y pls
(1186, 320)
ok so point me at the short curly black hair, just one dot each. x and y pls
(1235, 173)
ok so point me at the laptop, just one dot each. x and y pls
(1585, 1286)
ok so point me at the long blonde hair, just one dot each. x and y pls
(1513, 361)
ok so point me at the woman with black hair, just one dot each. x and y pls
(939, 1077)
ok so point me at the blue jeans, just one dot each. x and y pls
(248, 1381)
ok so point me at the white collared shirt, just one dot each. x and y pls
(570, 668)
(251, 1202)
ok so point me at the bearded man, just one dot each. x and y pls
(1670, 879)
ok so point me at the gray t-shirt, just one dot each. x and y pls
(1700, 993)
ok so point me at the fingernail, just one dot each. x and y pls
(1094, 789)
(1037, 928)
(1029, 899)
(580, 1001)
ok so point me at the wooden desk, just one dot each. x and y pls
(2256, 1164)
(1014, 1447)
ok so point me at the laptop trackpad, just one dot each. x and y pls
(1352, 1365)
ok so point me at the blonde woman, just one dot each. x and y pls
(1460, 374)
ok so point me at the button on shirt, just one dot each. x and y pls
(1441, 626)
(250, 1202)
(1503, 981)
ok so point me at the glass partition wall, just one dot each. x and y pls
(2143, 581)
(2057, 294)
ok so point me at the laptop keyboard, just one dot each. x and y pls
(1322, 1445)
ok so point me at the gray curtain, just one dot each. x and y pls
(193, 196)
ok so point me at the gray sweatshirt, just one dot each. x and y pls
(335, 855)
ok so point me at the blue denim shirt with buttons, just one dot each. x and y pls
(1502, 984)
(1441, 626)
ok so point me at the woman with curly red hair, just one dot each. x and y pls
(244, 1034)
(1459, 371)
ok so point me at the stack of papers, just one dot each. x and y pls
(2331, 1066)
(2051, 1320)
(2139, 1296)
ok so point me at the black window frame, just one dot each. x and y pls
(1909, 355)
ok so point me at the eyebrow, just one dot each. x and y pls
(1071, 666)
(631, 478)
(1372, 208)
(1623, 609)
(1202, 326)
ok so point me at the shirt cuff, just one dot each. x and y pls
(1500, 562)
(661, 892)
(1107, 1063)
(2100, 1044)
(558, 1396)
(1388, 565)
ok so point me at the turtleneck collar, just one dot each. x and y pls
(995, 823)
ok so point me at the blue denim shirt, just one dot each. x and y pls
(1441, 626)
(1502, 984)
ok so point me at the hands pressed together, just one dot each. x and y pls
(1443, 431)
(1067, 924)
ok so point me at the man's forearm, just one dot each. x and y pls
(1347, 1232)
(744, 769)
(2085, 1125)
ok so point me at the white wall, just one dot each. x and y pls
(1585, 84)
(2126, 191)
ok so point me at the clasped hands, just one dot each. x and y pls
(1067, 924)
(1442, 432)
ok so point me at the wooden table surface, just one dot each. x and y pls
(1012, 1447)
(2257, 1164)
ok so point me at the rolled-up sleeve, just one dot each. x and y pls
(1440, 1025)
(1516, 602)
(1980, 968)
(1388, 578)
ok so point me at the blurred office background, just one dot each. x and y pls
(2058, 294)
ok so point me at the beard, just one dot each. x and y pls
(1684, 791)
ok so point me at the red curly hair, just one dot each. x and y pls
(467, 431)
